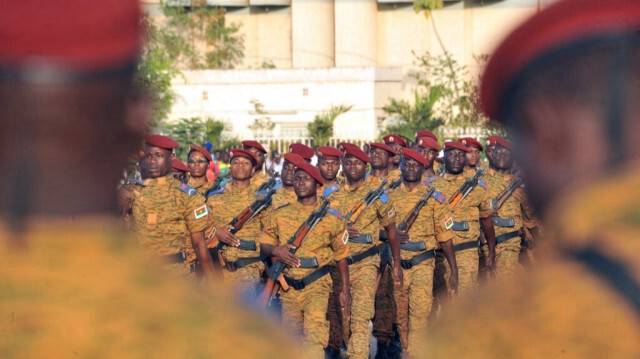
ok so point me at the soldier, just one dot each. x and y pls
(259, 176)
(490, 146)
(397, 143)
(329, 165)
(426, 134)
(428, 232)
(286, 194)
(179, 170)
(363, 240)
(304, 305)
(301, 150)
(473, 156)
(73, 283)
(568, 92)
(240, 254)
(468, 216)
(380, 155)
(198, 161)
(429, 148)
(167, 211)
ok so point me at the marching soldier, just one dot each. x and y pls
(490, 146)
(259, 175)
(304, 305)
(167, 211)
(473, 156)
(428, 231)
(469, 212)
(397, 143)
(426, 134)
(364, 221)
(329, 166)
(286, 193)
(429, 148)
(301, 150)
(179, 170)
(380, 155)
(198, 161)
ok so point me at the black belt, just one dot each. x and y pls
(415, 260)
(299, 284)
(360, 256)
(176, 257)
(362, 238)
(465, 245)
(503, 222)
(507, 236)
(239, 263)
(310, 262)
(413, 246)
(460, 226)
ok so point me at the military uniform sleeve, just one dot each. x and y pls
(196, 213)
(528, 214)
(485, 207)
(441, 215)
(339, 242)
(270, 233)
(386, 212)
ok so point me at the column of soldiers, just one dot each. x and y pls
(396, 232)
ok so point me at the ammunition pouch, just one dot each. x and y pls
(503, 222)
(413, 246)
(460, 226)
(310, 262)
(362, 238)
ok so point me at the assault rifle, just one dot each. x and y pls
(277, 269)
(504, 195)
(217, 184)
(359, 207)
(465, 189)
(395, 184)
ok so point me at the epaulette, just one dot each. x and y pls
(335, 212)
(133, 181)
(367, 174)
(187, 189)
(483, 184)
(281, 206)
(218, 191)
(438, 196)
(384, 198)
(330, 190)
(429, 180)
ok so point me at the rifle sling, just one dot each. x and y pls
(361, 256)
(299, 284)
(417, 259)
(507, 236)
(240, 263)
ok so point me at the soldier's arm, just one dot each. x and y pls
(486, 210)
(202, 253)
(387, 217)
(270, 240)
(450, 254)
(340, 251)
(444, 236)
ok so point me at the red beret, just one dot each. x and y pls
(329, 152)
(358, 153)
(311, 170)
(384, 147)
(426, 133)
(238, 152)
(78, 33)
(254, 144)
(343, 146)
(177, 165)
(415, 155)
(504, 143)
(204, 152)
(557, 26)
(428, 142)
(470, 141)
(450, 145)
(304, 151)
(394, 139)
(294, 158)
(491, 140)
(161, 141)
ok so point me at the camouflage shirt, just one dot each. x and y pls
(326, 242)
(284, 196)
(258, 179)
(517, 204)
(201, 188)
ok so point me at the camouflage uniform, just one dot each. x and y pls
(394, 175)
(413, 300)
(475, 206)
(283, 196)
(226, 203)
(305, 310)
(200, 187)
(258, 179)
(563, 306)
(363, 274)
(165, 213)
(78, 288)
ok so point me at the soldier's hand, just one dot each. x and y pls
(285, 256)
(352, 232)
(398, 275)
(125, 200)
(489, 261)
(345, 300)
(224, 236)
(453, 282)
(403, 237)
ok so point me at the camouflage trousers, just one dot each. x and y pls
(305, 313)
(363, 281)
(507, 259)
(334, 314)
(385, 311)
(467, 261)
(413, 301)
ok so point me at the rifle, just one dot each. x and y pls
(359, 207)
(395, 184)
(217, 184)
(277, 269)
(248, 213)
(465, 189)
(504, 195)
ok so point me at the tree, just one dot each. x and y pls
(407, 119)
(195, 131)
(262, 126)
(321, 129)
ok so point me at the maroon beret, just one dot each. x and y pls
(502, 142)
(428, 142)
(415, 155)
(426, 133)
(470, 141)
(311, 170)
(450, 145)
(254, 144)
(557, 26)
(239, 152)
(204, 152)
(343, 146)
(161, 141)
(177, 165)
(395, 139)
(304, 151)
(357, 153)
(329, 152)
(491, 140)
(384, 147)
(294, 158)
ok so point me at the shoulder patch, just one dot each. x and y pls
(335, 212)
(384, 198)
(483, 184)
(438, 196)
(187, 189)
(366, 175)
(330, 190)
(429, 180)
(133, 181)
(201, 211)
(218, 191)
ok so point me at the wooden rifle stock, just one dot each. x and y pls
(465, 189)
(415, 211)
(359, 208)
(505, 194)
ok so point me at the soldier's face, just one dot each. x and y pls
(241, 168)
(156, 161)
(258, 154)
(398, 150)
(354, 168)
(454, 160)
(411, 170)
(197, 164)
(473, 157)
(329, 168)
(304, 185)
(288, 170)
(489, 153)
(379, 158)
(429, 153)
(502, 159)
